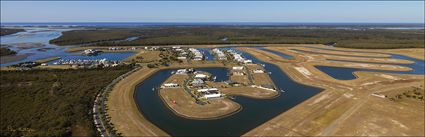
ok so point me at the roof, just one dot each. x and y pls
(207, 89)
(200, 76)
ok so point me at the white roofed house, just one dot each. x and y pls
(170, 85)
(238, 68)
(201, 76)
(247, 61)
(197, 83)
(210, 96)
(197, 55)
(258, 71)
(209, 93)
(181, 71)
(181, 58)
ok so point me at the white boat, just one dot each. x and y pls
(153, 89)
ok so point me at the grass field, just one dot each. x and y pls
(51, 103)
(371, 38)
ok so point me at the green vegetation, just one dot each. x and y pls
(415, 93)
(5, 31)
(6, 51)
(51, 103)
(371, 38)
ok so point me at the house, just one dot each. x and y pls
(238, 68)
(247, 61)
(210, 96)
(220, 54)
(181, 58)
(238, 73)
(258, 71)
(181, 71)
(197, 54)
(201, 76)
(197, 83)
(208, 90)
(170, 85)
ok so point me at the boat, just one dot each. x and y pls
(153, 89)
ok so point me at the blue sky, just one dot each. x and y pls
(213, 11)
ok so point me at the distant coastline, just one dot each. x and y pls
(265, 24)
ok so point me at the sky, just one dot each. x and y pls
(214, 11)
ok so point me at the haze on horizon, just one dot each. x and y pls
(213, 11)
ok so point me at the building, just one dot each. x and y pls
(220, 54)
(181, 58)
(170, 85)
(209, 93)
(238, 73)
(197, 83)
(210, 96)
(181, 71)
(197, 55)
(208, 90)
(247, 61)
(201, 76)
(258, 71)
(237, 68)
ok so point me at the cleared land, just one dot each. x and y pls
(186, 106)
(345, 107)
(250, 92)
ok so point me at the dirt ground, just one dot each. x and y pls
(186, 106)
(242, 79)
(250, 92)
(345, 107)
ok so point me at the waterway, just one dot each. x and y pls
(254, 112)
(283, 55)
(344, 73)
(207, 53)
(34, 43)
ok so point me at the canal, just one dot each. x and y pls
(254, 112)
